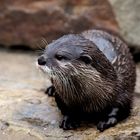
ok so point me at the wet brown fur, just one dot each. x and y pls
(98, 87)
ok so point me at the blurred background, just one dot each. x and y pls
(24, 22)
(23, 25)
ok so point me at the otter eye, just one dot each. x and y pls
(59, 57)
(86, 58)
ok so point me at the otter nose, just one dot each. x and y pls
(41, 60)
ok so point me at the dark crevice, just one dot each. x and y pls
(137, 57)
(16, 48)
(21, 47)
(136, 53)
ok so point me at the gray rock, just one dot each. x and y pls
(128, 17)
(27, 113)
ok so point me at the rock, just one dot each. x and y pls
(27, 113)
(128, 17)
(23, 23)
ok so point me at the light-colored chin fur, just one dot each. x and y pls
(45, 69)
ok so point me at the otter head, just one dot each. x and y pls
(78, 70)
(60, 55)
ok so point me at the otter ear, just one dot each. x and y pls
(86, 58)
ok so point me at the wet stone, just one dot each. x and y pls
(33, 101)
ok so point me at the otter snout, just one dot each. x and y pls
(41, 61)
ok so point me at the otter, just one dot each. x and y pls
(93, 78)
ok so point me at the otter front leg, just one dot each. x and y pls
(109, 121)
(69, 121)
(50, 90)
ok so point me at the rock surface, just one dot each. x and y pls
(128, 17)
(27, 113)
(25, 22)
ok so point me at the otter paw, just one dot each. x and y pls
(102, 125)
(50, 91)
(68, 124)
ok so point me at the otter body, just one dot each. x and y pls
(93, 77)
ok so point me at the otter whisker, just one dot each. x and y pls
(44, 42)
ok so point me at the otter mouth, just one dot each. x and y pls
(44, 69)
